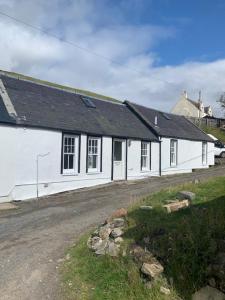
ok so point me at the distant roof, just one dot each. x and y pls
(169, 125)
(196, 104)
(54, 108)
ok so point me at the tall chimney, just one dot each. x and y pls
(156, 121)
(185, 94)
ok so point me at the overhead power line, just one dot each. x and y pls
(77, 46)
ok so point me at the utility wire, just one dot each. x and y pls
(77, 46)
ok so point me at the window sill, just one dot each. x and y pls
(93, 172)
(70, 174)
(145, 171)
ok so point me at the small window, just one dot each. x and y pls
(173, 153)
(70, 154)
(117, 151)
(88, 102)
(204, 153)
(94, 155)
(145, 156)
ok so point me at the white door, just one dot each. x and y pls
(119, 159)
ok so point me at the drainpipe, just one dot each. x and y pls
(37, 162)
(160, 157)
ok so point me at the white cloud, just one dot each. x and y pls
(136, 78)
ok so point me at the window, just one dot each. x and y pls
(173, 153)
(204, 153)
(117, 151)
(94, 152)
(70, 154)
(88, 102)
(145, 156)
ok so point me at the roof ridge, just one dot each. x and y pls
(57, 86)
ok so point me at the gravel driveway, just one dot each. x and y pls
(34, 237)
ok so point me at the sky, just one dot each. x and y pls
(145, 51)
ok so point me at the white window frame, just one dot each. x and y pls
(94, 149)
(70, 147)
(204, 153)
(173, 152)
(145, 153)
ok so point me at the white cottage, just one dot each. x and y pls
(183, 146)
(54, 140)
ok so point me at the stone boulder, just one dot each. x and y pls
(141, 255)
(118, 240)
(146, 207)
(186, 195)
(116, 232)
(165, 290)
(112, 249)
(175, 206)
(117, 222)
(104, 232)
(152, 270)
(94, 243)
(208, 293)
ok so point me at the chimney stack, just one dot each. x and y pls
(156, 121)
(185, 94)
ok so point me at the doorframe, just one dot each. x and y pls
(112, 158)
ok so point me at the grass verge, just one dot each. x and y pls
(184, 242)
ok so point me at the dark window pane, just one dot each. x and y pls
(118, 151)
(65, 161)
(94, 166)
(71, 161)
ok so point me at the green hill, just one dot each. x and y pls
(217, 132)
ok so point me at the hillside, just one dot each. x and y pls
(217, 132)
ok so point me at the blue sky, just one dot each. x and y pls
(163, 47)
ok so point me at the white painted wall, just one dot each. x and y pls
(19, 148)
(189, 156)
(134, 160)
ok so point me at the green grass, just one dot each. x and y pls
(184, 242)
(217, 132)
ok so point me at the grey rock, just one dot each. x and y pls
(113, 249)
(118, 222)
(101, 249)
(186, 195)
(152, 270)
(165, 290)
(116, 232)
(118, 240)
(104, 232)
(146, 207)
(175, 206)
(208, 293)
(94, 243)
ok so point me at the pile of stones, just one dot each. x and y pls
(150, 268)
(107, 238)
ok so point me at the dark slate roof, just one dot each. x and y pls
(169, 125)
(48, 107)
(4, 116)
